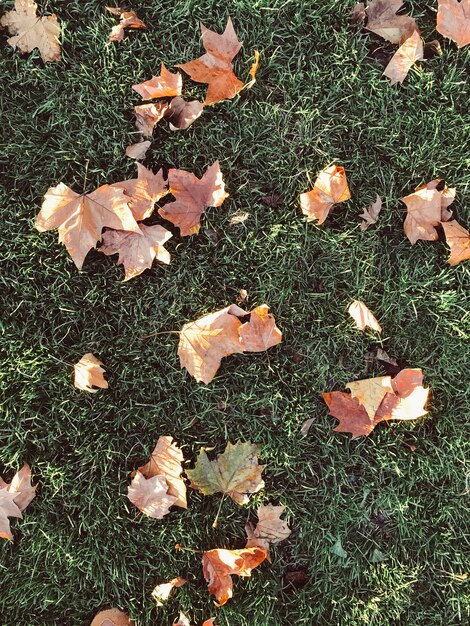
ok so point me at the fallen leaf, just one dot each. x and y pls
(112, 617)
(137, 252)
(165, 85)
(383, 21)
(338, 550)
(150, 495)
(234, 473)
(260, 332)
(453, 21)
(8, 508)
(238, 218)
(182, 620)
(21, 486)
(128, 19)
(31, 31)
(370, 214)
(88, 373)
(215, 67)
(138, 150)
(144, 191)
(363, 316)
(166, 460)
(377, 399)
(209, 622)
(458, 239)
(330, 187)
(81, 218)
(424, 214)
(219, 565)
(253, 71)
(181, 114)
(192, 197)
(405, 57)
(147, 115)
(161, 592)
(270, 530)
(306, 426)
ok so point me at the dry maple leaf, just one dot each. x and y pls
(166, 460)
(234, 473)
(329, 188)
(363, 316)
(370, 214)
(144, 191)
(30, 31)
(81, 218)
(215, 67)
(150, 495)
(127, 19)
(181, 114)
(458, 239)
(112, 617)
(427, 208)
(161, 592)
(405, 57)
(270, 529)
(14, 498)
(383, 21)
(219, 565)
(377, 399)
(165, 85)
(192, 197)
(260, 332)
(88, 373)
(138, 150)
(147, 115)
(453, 21)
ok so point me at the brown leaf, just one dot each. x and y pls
(260, 332)
(81, 218)
(165, 85)
(330, 187)
(453, 21)
(128, 19)
(89, 374)
(142, 192)
(407, 400)
(166, 460)
(138, 150)
(137, 252)
(270, 530)
(150, 495)
(8, 508)
(363, 316)
(370, 214)
(112, 617)
(215, 67)
(192, 197)
(181, 114)
(427, 208)
(31, 31)
(352, 416)
(21, 486)
(219, 565)
(161, 592)
(383, 21)
(147, 115)
(458, 239)
(405, 57)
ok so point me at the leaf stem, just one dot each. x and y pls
(215, 523)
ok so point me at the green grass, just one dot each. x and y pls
(320, 98)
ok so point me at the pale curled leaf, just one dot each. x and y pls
(458, 239)
(405, 57)
(304, 429)
(150, 495)
(147, 115)
(165, 85)
(330, 187)
(88, 374)
(182, 620)
(370, 214)
(270, 529)
(22, 487)
(138, 150)
(363, 316)
(384, 21)
(181, 113)
(162, 592)
(453, 20)
(127, 19)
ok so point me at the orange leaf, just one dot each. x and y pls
(128, 19)
(458, 239)
(88, 373)
(383, 21)
(253, 71)
(405, 57)
(147, 115)
(363, 316)
(427, 208)
(260, 332)
(215, 67)
(453, 21)
(181, 114)
(161, 592)
(219, 565)
(167, 84)
(352, 416)
(144, 191)
(112, 617)
(330, 187)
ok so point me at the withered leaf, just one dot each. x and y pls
(192, 197)
(405, 57)
(219, 565)
(270, 529)
(31, 31)
(253, 71)
(458, 239)
(112, 617)
(427, 207)
(150, 495)
(80, 218)
(363, 316)
(383, 21)
(181, 113)
(165, 85)
(143, 191)
(370, 214)
(8, 508)
(453, 20)
(127, 19)
(137, 252)
(234, 473)
(14, 498)
(161, 592)
(215, 67)
(138, 150)
(182, 620)
(147, 115)
(88, 373)
(260, 332)
(329, 188)
(358, 13)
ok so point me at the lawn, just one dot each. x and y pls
(320, 98)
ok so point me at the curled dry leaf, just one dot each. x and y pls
(161, 593)
(330, 188)
(80, 218)
(182, 620)
(192, 197)
(31, 31)
(219, 565)
(384, 21)
(427, 207)
(370, 214)
(458, 239)
(453, 20)
(150, 495)
(215, 67)
(270, 530)
(137, 252)
(112, 617)
(378, 399)
(405, 57)
(205, 342)
(163, 86)
(128, 19)
(234, 473)
(144, 191)
(88, 373)
(253, 70)
(14, 498)
(138, 150)
(181, 114)
(363, 316)
(147, 115)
